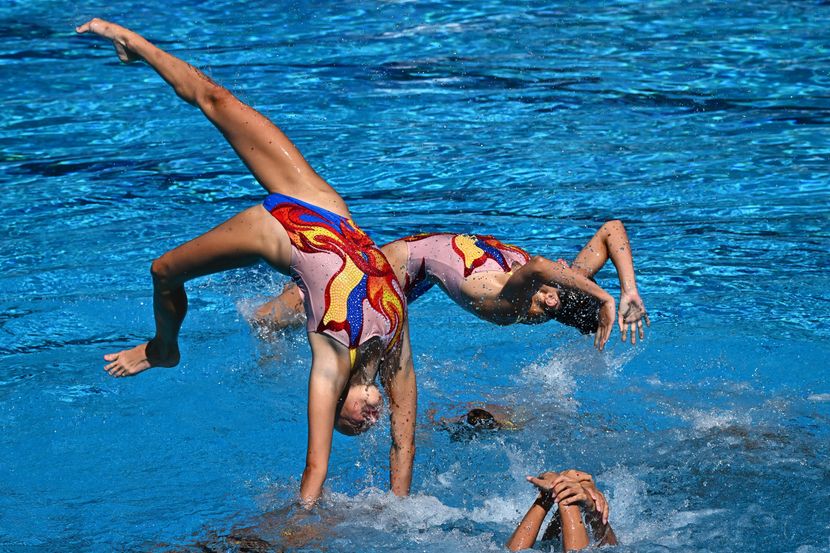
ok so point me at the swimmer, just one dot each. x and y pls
(355, 311)
(477, 421)
(576, 494)
(504, 285)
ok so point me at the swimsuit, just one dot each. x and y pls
(451, 258)
(349, 289)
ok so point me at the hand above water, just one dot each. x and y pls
(632, 312)
(571, 487)
(606, 323)
(116, 33)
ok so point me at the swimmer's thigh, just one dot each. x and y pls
(240, 241)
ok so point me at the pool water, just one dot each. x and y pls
(704, 126)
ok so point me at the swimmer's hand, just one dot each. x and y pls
(607, 312)
(587, 481)
(545, 484)
(564, 489)
(116, 33)
(572, 487)
(631, 315)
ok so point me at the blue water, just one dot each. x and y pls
(704, 126)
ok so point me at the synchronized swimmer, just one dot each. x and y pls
(354, 296)
(356, 311)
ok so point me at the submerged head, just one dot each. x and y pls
(359, 409)
(569, 307)
(479, 418)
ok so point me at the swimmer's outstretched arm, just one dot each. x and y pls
(329, 377)
(527, 279)
(401, 387)
(270, 156)
(611, 242)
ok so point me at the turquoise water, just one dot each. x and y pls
(705, 127)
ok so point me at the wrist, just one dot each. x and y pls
(545, 501)
(628, 288)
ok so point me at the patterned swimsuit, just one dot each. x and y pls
(349, 290)
(451, 258)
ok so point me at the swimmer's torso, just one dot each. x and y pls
(349, 290)
(471, 269)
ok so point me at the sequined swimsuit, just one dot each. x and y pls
(349, 290)
(451, 258)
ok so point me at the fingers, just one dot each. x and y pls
(603, 333)
(571, 497)
(543, 485)
(564, 488)
(605, 337)
(88, 26)
(570, 492)
(600, 503)
(603, 507)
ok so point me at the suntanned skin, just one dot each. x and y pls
(573, 491)
(255, 235)
(525, 294)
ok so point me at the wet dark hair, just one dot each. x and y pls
(479, 418)
(577, 309)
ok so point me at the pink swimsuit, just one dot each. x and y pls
(349, 290)
(451, 258)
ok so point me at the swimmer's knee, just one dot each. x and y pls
(212, 98)
(163, 275)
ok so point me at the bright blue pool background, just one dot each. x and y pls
(704, 126)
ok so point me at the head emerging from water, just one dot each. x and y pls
(358, 409)
(569, 307)
(479, 418)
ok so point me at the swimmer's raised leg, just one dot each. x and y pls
(270, 156)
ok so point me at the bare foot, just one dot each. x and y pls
(130, 362)
(116, 33)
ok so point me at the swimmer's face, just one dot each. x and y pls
(543, 305)
(360, 409)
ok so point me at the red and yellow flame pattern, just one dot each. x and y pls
(363, 272)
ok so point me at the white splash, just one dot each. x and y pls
(715, 418)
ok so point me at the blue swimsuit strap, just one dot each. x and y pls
(275, 198)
